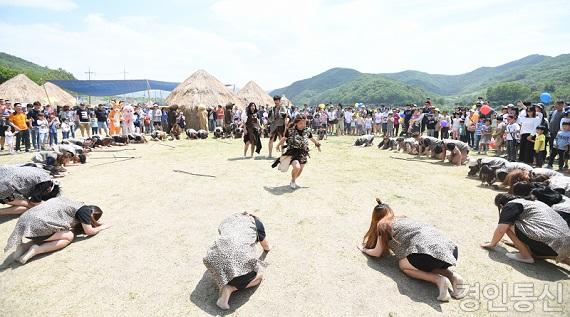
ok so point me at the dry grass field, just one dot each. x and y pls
(165, 207)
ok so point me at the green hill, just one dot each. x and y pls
(368, 88)
(525, 78)
(11, 66)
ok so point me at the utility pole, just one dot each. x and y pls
(124, 73)
(89, 72)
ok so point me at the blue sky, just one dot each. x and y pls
(278, 42)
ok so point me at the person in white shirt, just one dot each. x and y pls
(42, 124)
(512, 136)
(528, 121)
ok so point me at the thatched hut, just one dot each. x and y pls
(286, 102)
(251, 92)
(196, 93)
(57, 96)
(22, 89)
(201, 88)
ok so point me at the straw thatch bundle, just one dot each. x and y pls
(58, 96)
(22, 89)
(286, 102)
(201, 88)
(251, 92)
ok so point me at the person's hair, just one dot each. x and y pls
(546, 195)
(82, 158)
(380, 225)
(276, 97)
(415, 134)
(299, 118)
(95, 212)
(450, 146)
(516, 176)
(44, 191)
(566, 123)
(501, 175)
(521, 188)
(438, 149)
(503, 198)
(248, 110)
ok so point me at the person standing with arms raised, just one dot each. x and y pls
(278, 120)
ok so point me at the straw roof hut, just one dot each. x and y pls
(251, 92)
(22, 89)
(201, 88)
(286, 102)
(58, 96)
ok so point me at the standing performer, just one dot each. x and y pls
(231, 260)
(297, 137)
(50, 226)
(252, 127)
(423, 252)
(278, 120)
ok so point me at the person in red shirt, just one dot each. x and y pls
(220, 116)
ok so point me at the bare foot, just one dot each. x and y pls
(460, 288)
(31, 252)
(224, 298)
(443, 291)
(21, 249)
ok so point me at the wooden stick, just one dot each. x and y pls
(193, 174)
(112, 157)
(167, 145)
(116, 161)
(111, 151)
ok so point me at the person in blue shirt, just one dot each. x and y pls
(561, 144)
(478, 127)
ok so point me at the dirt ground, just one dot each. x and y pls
(150, 262)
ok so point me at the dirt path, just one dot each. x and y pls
(150, 262)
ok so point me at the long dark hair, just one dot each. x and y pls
(249, 112)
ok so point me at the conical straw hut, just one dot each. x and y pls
(57, 96)
(251, 92)
(201, 88)
(23, 90)
(286, 102)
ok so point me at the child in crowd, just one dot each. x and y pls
(94, 124)
(53, 125)
(478, 127)
(561, 143)
(444, 124)
(486, 132)
(360, 125)
(513, 134)
(4, 126)
(10, 136)
(368, 125)
(455, 127)
(43, 131)
(539, 145)
(65, 129)
(390, 125)
(462, 131)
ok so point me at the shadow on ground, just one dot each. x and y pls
(416, 290)
(541, 269)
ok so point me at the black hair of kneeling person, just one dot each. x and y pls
(45, 191)
(82, 158)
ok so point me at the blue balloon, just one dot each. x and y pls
(545, 97)
(402, 115)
